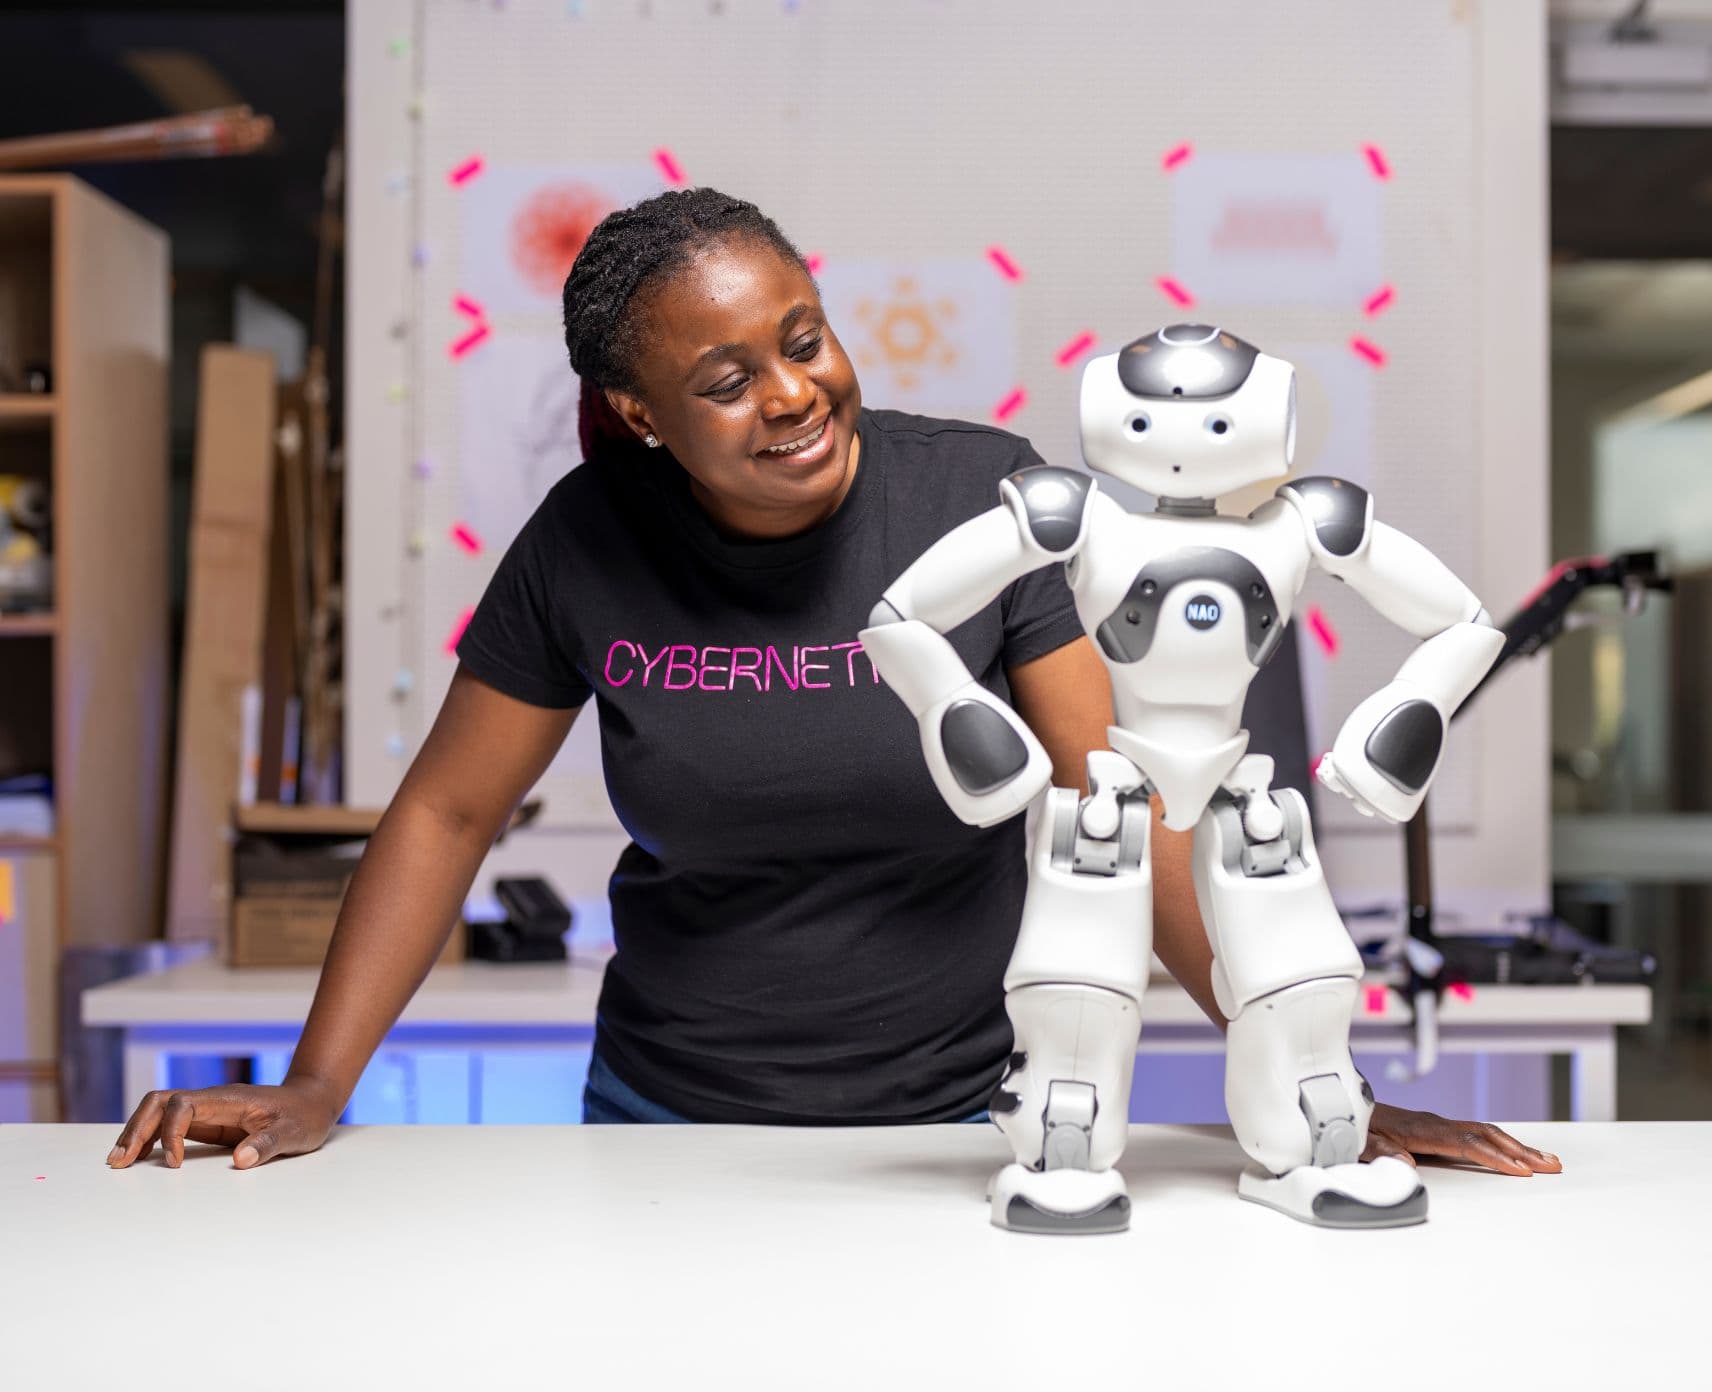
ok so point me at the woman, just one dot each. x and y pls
(805, 933)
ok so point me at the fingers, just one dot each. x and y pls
(1537, 1161)
(1379, 1144)
(1475, 1142)
(138, 1137)
(261, 1147)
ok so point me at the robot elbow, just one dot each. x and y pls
(883, 613)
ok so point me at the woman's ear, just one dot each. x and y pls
(631, 411)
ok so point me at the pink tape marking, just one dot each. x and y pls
(466, 538)
(1377, 162)
(469, 340)
(458, 631)
(1379, 301)
(669, 166)
(815, 262)
(1175, 290)
(1010, 405)
(1374, 1000)
(1175, 156)
(1321, 627)
(1002, 259)
(1073, 349)
(465, 305)
(1366, 348)
(466, 171)
(1461, 990)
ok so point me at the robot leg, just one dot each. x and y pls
(1286, 974)
(1073, 992)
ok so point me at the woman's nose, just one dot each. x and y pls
(793, 392)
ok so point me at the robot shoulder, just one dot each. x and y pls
(1050, 505)
(1337, 513)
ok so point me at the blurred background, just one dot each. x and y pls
(281, 375)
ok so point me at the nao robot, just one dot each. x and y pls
(1185, 606)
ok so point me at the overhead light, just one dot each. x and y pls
(1681, 400)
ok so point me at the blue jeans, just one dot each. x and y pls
(608, 1100)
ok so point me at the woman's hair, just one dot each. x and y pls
(629, 251)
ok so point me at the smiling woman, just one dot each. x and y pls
(805, 933)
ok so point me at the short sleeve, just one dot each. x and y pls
(514, 641)
(1039, 611)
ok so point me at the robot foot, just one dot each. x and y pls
(1062, 1202)
(1384, 1193)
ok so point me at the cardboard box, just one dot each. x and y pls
(290, 870)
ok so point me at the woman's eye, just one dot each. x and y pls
(807, 349)
(727, 391)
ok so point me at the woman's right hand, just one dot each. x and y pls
(260, 1122)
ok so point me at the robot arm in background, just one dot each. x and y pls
(986, 763)
(1389, 749)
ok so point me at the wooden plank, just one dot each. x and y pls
(230, 518)
(112, 523)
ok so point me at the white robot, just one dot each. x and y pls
(1184, 605)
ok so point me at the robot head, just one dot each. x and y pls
(1189, 412)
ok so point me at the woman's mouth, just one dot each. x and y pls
(808, 448)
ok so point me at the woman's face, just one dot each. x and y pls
(738, 359)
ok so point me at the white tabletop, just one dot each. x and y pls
(564, 994)
(753, 1258)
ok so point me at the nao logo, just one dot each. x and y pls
(1202, 612)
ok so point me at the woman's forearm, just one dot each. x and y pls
(1179, 936)
(406, 894)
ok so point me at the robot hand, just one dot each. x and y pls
(1386, 753)
(986, 763)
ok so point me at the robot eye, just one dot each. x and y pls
(1139, 424)
(1219, 424)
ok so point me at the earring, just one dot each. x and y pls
(651, 441)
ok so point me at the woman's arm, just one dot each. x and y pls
(484, 754)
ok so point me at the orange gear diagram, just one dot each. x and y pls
(906, 334)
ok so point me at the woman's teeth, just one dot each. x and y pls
(796, 445)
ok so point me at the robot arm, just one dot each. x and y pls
(1388, 750)
(985, 761)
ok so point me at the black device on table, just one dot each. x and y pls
(533, 929)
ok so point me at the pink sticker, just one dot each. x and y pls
(1073, 349)
(1379, 301)
(1321, 627)
(458, 631)
(466, 306)
(1374, 999)
(466, 171)
(815, 262)
(1175, 291)
(469, 341)
(1377, 162)
(1368, 349)
(1002, 259)
(1010, 405)
(1176, 156)
(669, 166)
(466, 538)
(1461, 990)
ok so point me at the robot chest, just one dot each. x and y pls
(1197, 603)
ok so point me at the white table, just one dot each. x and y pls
(713, 1257)
(204, 1008)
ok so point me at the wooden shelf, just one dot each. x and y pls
(25, 412)
(28, 625)
(46, 845)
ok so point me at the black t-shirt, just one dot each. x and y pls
(804, 931)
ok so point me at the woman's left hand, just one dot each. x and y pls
(1405, 1134)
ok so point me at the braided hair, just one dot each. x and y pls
(632, 250)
